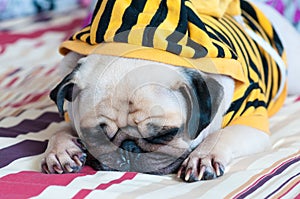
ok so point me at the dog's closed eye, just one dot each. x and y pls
(166, 135)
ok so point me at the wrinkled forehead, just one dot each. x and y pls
(110, 80)
(103, 71)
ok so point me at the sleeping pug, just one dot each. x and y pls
(164, 87)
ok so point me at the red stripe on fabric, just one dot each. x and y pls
(30, 98)
(84, 192)
(291, 188)
(126, 176)
(49, 72)
(39, 44)
(27, 184)
(298, 196)
(9, 74)
(11, 82)
(9, 38)
(2, 49)
(33, 74)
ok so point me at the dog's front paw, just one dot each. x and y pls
(196, 168)
(64, 156)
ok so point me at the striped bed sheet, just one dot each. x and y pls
(29, 62)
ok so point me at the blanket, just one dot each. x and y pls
(29, 70)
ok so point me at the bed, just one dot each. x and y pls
(28, 71)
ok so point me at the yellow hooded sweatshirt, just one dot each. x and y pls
(199, 34)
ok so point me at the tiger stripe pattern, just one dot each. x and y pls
(179, 27)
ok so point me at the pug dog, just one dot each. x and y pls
(129, 112)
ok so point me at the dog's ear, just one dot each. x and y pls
(204, 96)
(67, 89)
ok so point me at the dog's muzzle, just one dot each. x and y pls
(129, 156)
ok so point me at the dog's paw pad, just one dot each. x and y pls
(206, 173)
(195, 169)
(63, 163)
(67, 158)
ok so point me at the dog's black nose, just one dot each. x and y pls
(130, 146)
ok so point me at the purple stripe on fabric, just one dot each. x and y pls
(14, 72)
(268, 177)
(282, 185)
(31, 126)
(20, 150)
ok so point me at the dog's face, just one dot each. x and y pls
(137, 115)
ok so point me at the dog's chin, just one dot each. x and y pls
(149, 163)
